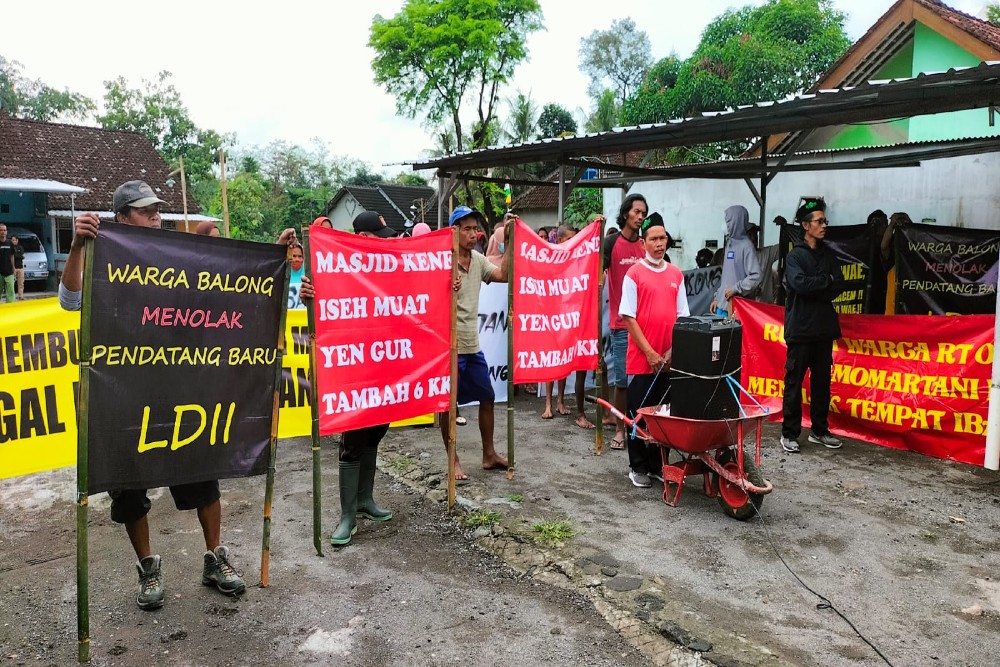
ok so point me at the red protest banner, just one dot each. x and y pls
(912, 382)
(555, 304)
(383, 319)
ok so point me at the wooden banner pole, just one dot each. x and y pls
(265, 551)
(598, 375)
(452, 405)
(510, 353)
(82, 478)
(225, 194)
(317, 478)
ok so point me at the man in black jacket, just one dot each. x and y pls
(811, 326)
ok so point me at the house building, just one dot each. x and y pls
(911, 38)
(402, 206)
(50, 171)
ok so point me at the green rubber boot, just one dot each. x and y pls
(367, 507)
(348, 504)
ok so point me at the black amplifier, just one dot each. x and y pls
(706, 348)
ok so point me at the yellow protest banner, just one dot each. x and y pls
(38, 367)
(39, 372)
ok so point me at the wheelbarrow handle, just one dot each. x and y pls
(618, 413)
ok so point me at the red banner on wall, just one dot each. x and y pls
(907, 381)
(383, 322)
(555, 304)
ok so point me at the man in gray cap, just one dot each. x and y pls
(135, 203)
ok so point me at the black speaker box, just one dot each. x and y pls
(706, 348)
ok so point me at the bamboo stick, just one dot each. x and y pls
(265, 550)
(317, 477)
(452, 405)
(82, 461)
(598, 375)
(225, 195)
(510, 353)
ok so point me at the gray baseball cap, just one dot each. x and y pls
(136, 194)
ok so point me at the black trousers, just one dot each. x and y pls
(817, 358)
(642, 392)
(352, 443)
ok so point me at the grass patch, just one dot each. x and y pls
(479, 518)
(554, 532)
(515, 498)
(401, 464)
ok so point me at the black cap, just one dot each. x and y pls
(373, 223)
(654, 220)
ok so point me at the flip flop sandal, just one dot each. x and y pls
(617, 443)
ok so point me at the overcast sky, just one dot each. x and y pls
(298, 70)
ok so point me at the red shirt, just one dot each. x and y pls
(624, 254)
(655, 297)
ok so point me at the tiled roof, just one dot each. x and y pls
(392, 202)
(89, 157)
(982, 30)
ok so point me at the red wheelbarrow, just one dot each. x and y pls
(712, 448)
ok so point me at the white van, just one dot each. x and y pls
(36, 263)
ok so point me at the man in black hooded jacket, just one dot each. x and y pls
(811, 326)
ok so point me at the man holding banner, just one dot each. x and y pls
(653, 297)
(473, 372)
(135, 204)
(811, 326)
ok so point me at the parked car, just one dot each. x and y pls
(36, 263)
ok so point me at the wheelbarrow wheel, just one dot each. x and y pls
(735, 501)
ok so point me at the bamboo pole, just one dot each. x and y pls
(184, 195)
(265, 549)
(510, 353)
(453, 397)
(314, 409)
(225, 195)
(599, 373)
(82, 461)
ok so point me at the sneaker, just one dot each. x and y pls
(827, 441)
(789, 445)
(657, 475)
(461, 421)
(220, 573)
(150, 583)
(639, 479)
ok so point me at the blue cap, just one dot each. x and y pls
(463, 212)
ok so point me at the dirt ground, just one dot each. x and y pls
(904, 546)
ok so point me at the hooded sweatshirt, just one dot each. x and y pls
(740, 267)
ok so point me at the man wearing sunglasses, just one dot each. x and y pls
(811, 326)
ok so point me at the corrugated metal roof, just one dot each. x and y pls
(38, 185)
(108, 215)
(955, 89)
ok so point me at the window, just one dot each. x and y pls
(64, 235)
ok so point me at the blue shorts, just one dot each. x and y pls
(474, 379)
(617, 376)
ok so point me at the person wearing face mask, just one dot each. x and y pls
(653, 297)
(297, 259)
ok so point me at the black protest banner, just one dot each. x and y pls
(183, 332)
(945, 270)
(852, 247)
(701, 286)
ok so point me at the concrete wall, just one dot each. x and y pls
(959, 192)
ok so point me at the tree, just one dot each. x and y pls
(31, 99)
(555, 121)
(620, 55)
(522, 124)
(156, 111)
(605, 116)
(650, 103)
(993, 13)
(583, 204)
(436, 55)
(747, 55)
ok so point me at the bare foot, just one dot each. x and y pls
(562, 409)
(583, 422)
(459, 473)
(608, 421)
(494, 462)
(548, 412)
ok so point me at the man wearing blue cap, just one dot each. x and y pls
(473, 372)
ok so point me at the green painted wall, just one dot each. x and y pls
(934, 53)
(928, 51)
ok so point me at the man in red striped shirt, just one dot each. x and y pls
(653, 297)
